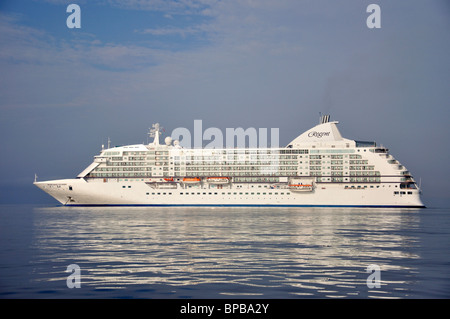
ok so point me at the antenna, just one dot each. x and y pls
(155, 132)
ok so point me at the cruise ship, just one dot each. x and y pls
(318, 168)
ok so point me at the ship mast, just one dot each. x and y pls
(155, 132)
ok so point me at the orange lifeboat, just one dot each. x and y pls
(191, 180)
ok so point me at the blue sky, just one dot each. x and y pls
(246, 63)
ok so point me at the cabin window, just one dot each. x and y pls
(70, 188)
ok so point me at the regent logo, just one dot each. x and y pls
(318, 134)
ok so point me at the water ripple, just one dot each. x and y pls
(214, 252)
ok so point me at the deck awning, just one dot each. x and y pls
(88, 170)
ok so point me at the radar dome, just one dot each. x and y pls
(168, 140)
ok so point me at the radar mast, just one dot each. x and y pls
(155, 132)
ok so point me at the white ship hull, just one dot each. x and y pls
(79, 192)
(318, 168)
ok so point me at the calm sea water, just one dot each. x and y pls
(224, 252)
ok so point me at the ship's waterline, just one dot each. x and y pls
(318, 168)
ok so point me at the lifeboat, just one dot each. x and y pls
(169, 179)
(301, 187)
(191, 180)
(166, 185)
(162, 185)
(218, 180)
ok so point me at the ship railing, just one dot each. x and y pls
(393, 161)
(366, 144)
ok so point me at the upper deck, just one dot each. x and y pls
(320, 153)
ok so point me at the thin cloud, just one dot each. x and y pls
(167, 31)
(86, 70)
(170, 7)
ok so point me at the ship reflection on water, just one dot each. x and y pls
(227, 252)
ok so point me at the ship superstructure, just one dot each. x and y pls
(318, 168)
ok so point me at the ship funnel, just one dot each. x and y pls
(324, 119)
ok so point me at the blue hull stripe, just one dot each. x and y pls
(235, 205)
